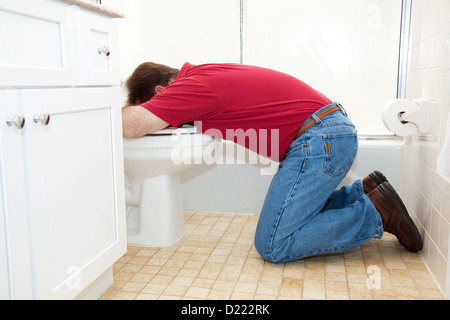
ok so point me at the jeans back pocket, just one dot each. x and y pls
(340, 152)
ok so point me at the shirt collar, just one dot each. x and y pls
(183, 70)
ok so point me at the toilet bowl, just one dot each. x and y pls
(155, 214)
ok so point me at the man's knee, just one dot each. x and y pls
(264, 248)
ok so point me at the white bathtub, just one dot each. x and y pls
(241, 188)
(377, 153)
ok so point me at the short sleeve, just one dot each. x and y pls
(183, 101)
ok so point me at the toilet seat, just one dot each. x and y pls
(176, 131)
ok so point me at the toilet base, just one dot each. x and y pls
(161, 213)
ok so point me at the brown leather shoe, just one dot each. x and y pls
(372, 181)
(396, 219)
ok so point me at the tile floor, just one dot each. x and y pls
(217, 260)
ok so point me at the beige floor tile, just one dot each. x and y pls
(175, 290)
(203, 283)
(409, 292)
(242, 296)
(217, 294)
(267, 289)
(154, 288)
(142, 277)
(167, 297)
(224, 285)
(133, 287)
(124, 296)
(291, 287)
(217, 260)
(161, 279)
(337, 295)
(245, 287)
(431, 294)
(339, 286)
(182, 281)
(197, 293)
(336, 276)
(314, 293)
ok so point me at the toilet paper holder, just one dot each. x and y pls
(405, 117)
(419, 117)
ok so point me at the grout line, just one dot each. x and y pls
(163, 273)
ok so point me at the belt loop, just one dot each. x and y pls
(316, 118)
(342, 108)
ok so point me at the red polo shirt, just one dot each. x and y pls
(258, 108)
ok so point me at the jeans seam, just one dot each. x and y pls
(334, 249)
(280, 213)
(324, 125)
(351, 200)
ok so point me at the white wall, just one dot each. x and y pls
(347, 49)
(426, 191)
(175, 31)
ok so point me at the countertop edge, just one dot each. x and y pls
(112, 13)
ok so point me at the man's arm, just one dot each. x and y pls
(138, 121)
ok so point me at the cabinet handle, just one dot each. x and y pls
(43, 118)
(18, 121)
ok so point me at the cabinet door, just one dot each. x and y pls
(15, 270)
(76, 186)
(99, 54)
(4, 269)
(38, 40)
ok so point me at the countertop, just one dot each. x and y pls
(88, 4)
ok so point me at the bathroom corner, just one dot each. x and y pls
(426, 190)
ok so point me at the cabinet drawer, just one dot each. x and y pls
(99, 54)
(38, 40)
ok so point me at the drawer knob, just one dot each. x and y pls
(18, 121)
(104, 50)
(43, 118)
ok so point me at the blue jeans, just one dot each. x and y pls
(303, 213)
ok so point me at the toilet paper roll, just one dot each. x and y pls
(443, 164)
(391, 111)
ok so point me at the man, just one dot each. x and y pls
(316, 143)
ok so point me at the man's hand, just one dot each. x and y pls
(138, 121)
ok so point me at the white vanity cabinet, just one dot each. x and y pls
(15, 274)
(74, 176)
(62, 213)
(98, 51)
(38, 43)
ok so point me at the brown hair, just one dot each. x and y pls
(141, 84)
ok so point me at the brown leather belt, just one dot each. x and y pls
(312, 121)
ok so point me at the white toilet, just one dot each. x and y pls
(155, 214)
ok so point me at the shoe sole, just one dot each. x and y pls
(389, 192)
(378, 177)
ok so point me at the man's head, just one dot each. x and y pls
(147, 80)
